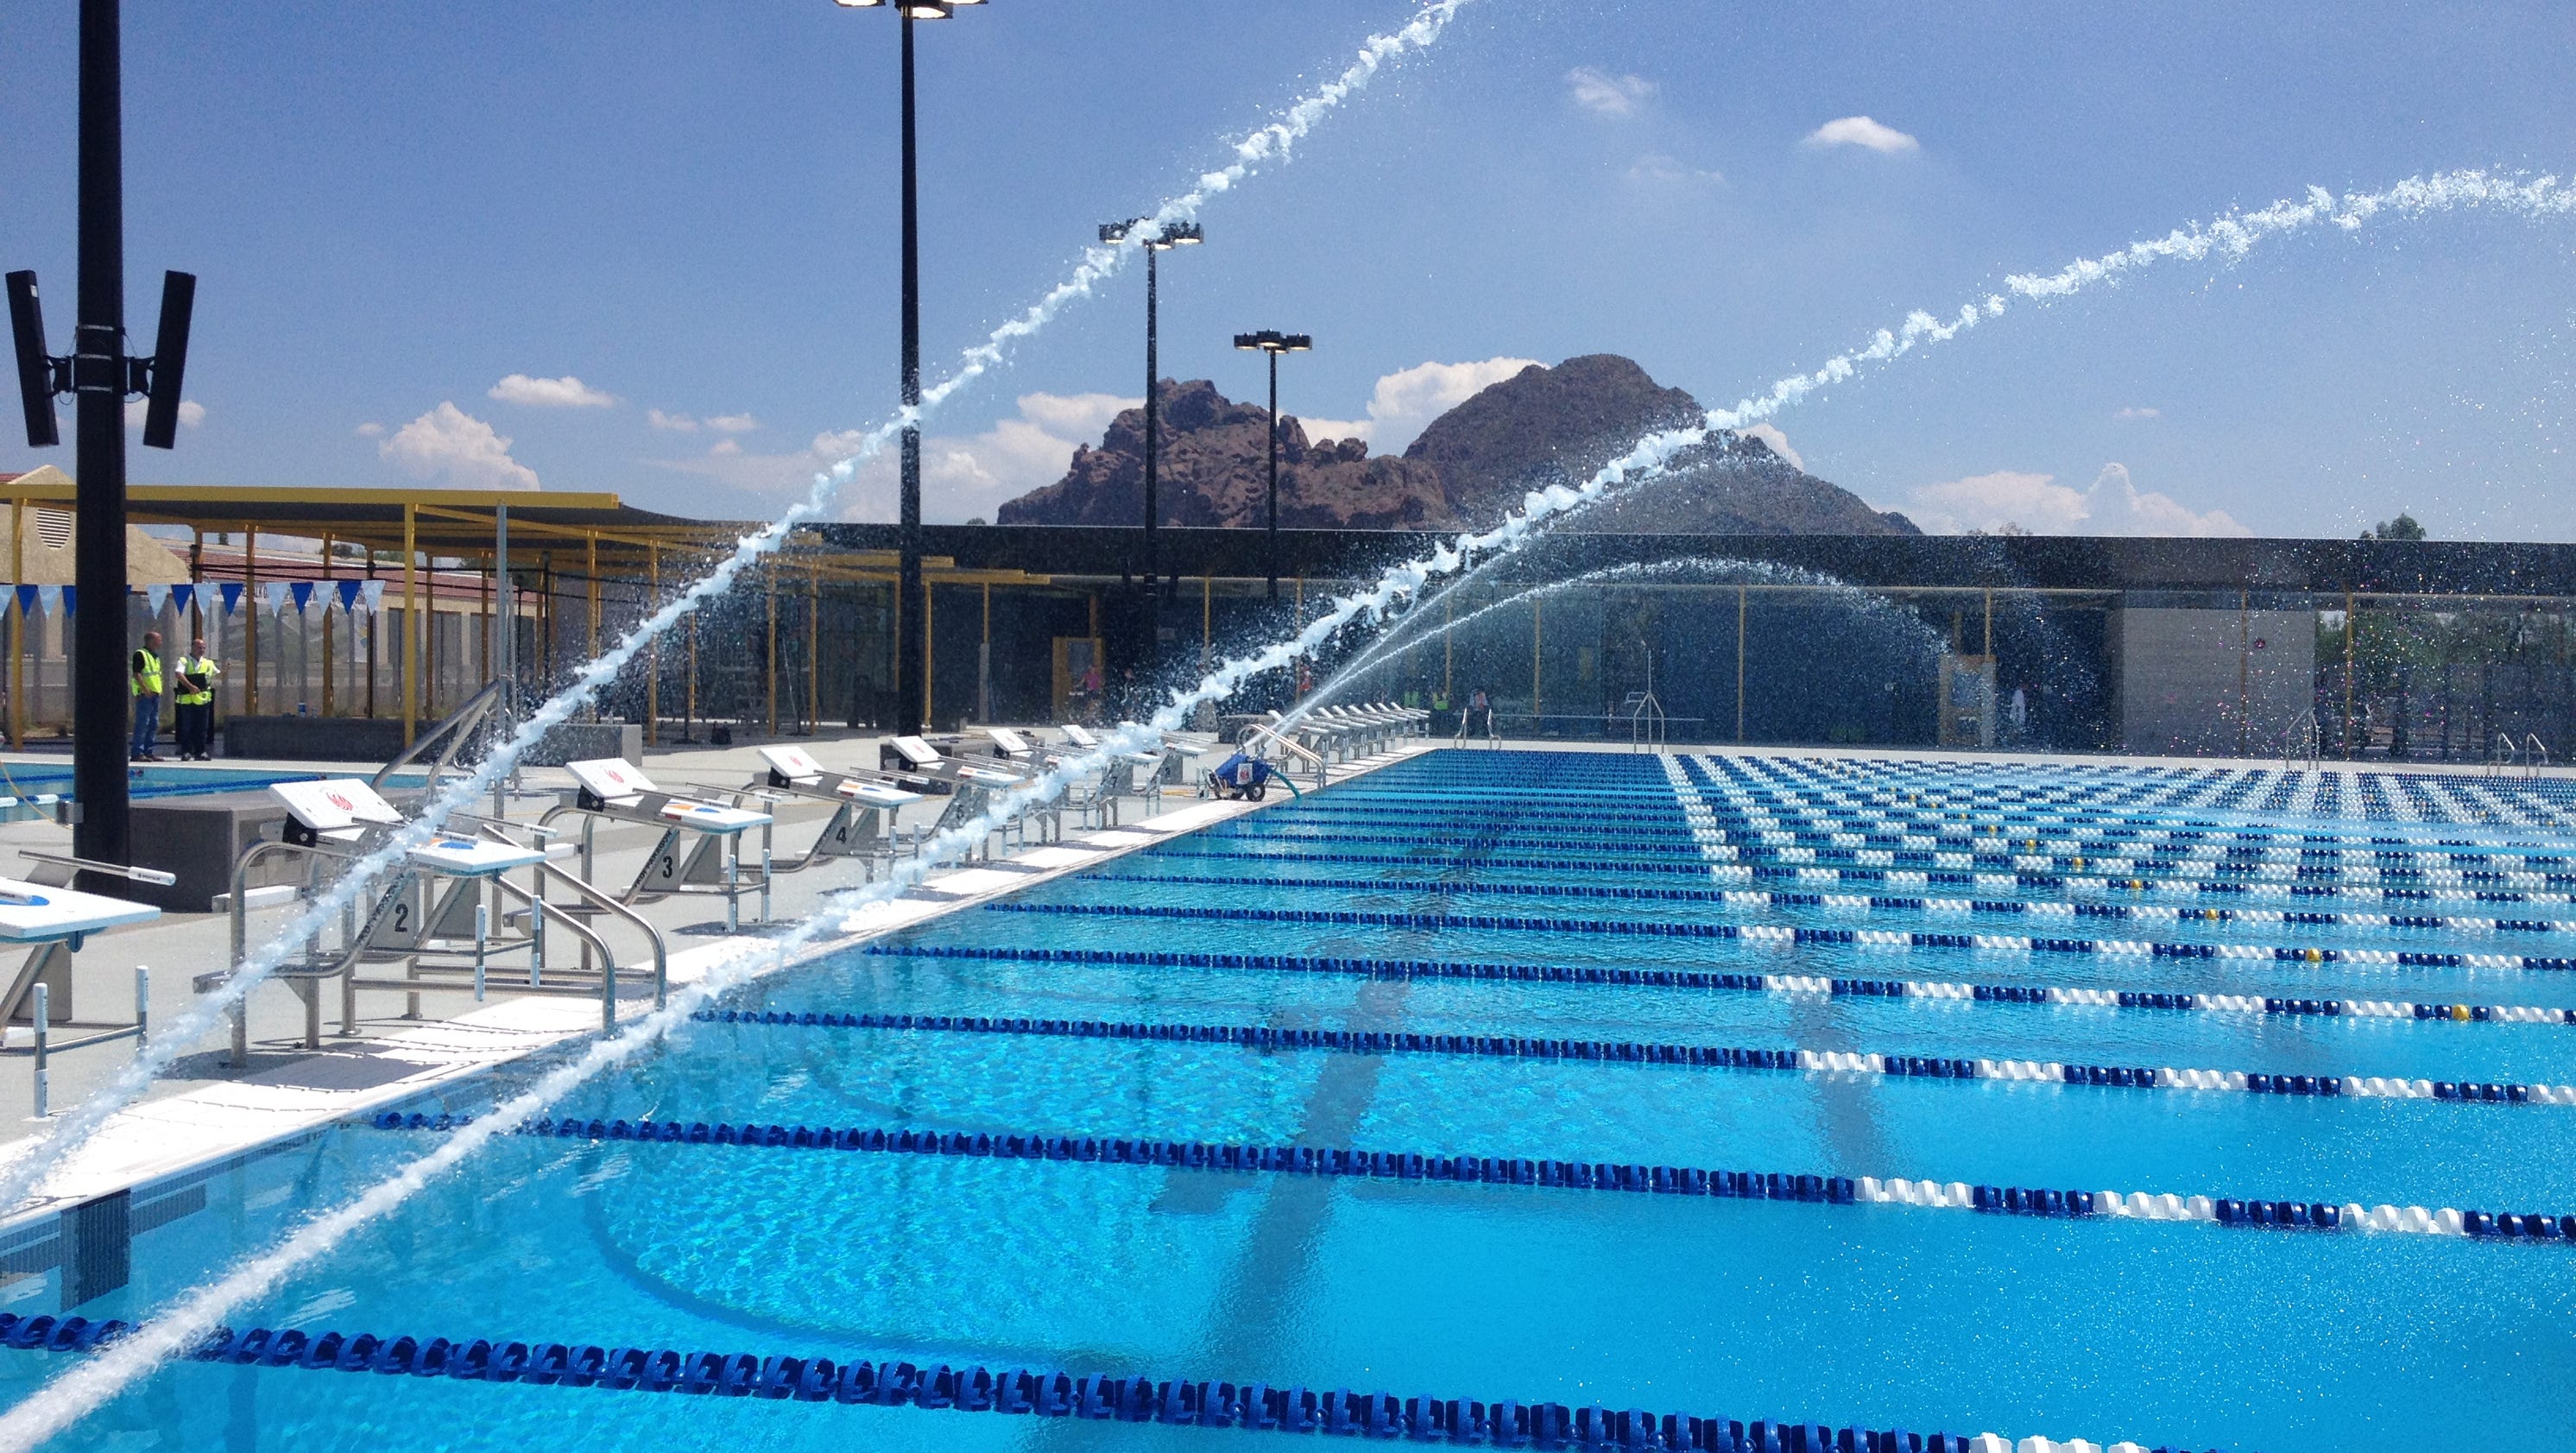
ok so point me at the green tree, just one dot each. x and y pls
(2404, 527)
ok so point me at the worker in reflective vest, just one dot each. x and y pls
(195, 699)
(145, 671)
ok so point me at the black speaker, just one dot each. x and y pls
(35, 367)
(169, 360)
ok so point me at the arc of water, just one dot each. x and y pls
(1269, 145)
(74, 1394)
(2229, 237)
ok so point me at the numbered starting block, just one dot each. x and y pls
(441, 910)
(864, 807)
(972, 785)
(1136, 774)
(701, 846)
(431, 910)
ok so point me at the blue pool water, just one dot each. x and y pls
(1425, 900)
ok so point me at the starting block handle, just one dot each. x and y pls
(126, 871)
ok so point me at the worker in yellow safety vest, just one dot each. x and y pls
(194, 695)
(145, 670)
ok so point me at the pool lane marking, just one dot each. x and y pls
(1764, 898)
(1807, 984)
(1696, 1056)
(1728, 871)
(1892, 939)
(1806, 1188)
(2121, 836)
(2121, 872)
(1044, 1393)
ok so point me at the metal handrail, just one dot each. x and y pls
(2502, 754)
(608, 903)
(1275, 732)
(455, 727)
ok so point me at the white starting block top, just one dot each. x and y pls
(463, 857)
(919, 755)
(339, 807)
(33, 913)
(615, 781)
(335, 807)
(1011, 742)
(798, 765)
(1079, 736)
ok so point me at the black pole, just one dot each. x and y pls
(1152, 432)
(1273, 541)
(912, 635)
(100, 697)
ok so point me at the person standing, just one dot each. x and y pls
(193, 695)
(144, 672)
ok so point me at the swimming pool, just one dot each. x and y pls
(2204, 1109)
(31, 789)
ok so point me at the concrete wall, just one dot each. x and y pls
(2213, 682)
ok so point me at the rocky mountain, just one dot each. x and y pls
(1542, 426)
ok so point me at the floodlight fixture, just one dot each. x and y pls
(1272, 343)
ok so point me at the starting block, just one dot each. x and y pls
(615, 790)
(863, 808)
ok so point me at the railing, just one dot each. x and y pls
(2302, 742)
(1275, 734)
(1646, 722)
(456, 729)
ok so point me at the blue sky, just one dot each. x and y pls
(689, 208)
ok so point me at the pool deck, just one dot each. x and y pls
(201, 1114)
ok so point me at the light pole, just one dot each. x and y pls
(1171, 235)
(98, 374)
(912, 625)
(1273, 342)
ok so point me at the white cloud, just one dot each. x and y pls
(191, 412)
(2113, 505)
(1407, 400)
(1603, 94)
(690, 423)
(1770, 434)
(960, 477)
(458, 449)
(566, 392)
(370, 430)
(2139, 413)
(1862, 131)
(1659, 169)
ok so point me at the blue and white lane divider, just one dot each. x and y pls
(2159, 846)
(1802, 984)
(1986, 824)
(1863, 902)
(1865, 827)
(1701, 1056)
(1103, 1397)
(1781, 934)
(2126, 871)
(1725, 869)
(1572, 1175)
